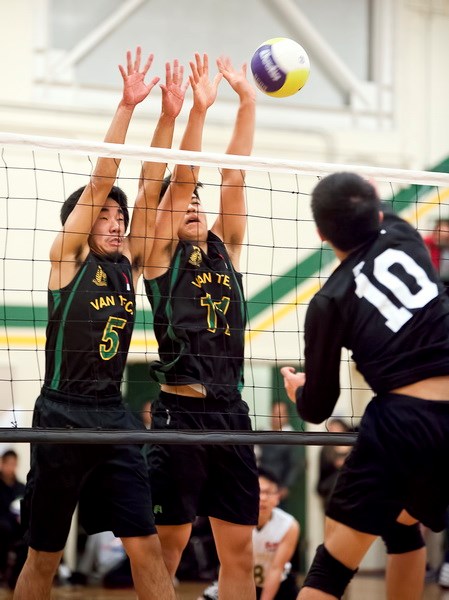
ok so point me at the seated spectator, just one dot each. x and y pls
(145, 413)
(102, 553)
(199, 560)
(283, 460)
(274, 541)
(11, 491)
(331, 461)
(438, 244)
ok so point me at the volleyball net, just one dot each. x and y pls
(283, 265)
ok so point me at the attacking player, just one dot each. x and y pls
(384, 303)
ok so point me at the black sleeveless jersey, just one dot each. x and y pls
(387, 305)
(199, 320)
(89, 329)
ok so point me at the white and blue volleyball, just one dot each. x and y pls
(280, 67)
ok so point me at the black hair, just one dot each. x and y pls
(9, 454)
(346, 210)
(166, 182)
(269, 475)
(441, 221)
(115, 194)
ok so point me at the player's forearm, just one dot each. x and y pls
(153, 172)
(243, 134)
(315, 404)
(271, 584)
(191, 140)
(242, 139)
(163, 134)
(106, 168)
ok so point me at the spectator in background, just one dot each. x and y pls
(438, 244)
(146, 414)
(331, 460)
(102, 553)
(11, 490)
(281, 459)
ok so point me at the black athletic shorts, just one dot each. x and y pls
(109, 481)
(205, 480)
(398, 462)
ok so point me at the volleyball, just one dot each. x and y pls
(280, 67)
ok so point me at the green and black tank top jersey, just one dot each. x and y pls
(90, 323)
(199, 320)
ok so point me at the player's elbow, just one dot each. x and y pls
(312, 416)
(312, 413)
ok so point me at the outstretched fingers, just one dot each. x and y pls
(134, 87)
(137, 59)
(148, 64)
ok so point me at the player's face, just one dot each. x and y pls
(108, 231)
(269, 496)
(194, 224)
(9, 467)
(442, 234)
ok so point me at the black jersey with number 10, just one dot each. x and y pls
(386, 304)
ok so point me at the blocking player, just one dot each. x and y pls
(195, 290)
(94, 270)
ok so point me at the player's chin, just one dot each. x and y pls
(194, 232)
(114, 253)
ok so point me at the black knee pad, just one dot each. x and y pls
(400, 538)
(328, 574)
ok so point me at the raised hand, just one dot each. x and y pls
(236, 78)
(134, 87)
(204, 90)
(174, 90)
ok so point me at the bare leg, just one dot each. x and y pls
(235, 551)
(36, 578)
(405, 572)
(405, 575)
(346, 545)
(174, 539)
(150, 575)
(311, 594)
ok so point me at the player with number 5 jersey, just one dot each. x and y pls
(386, 304)
(91, 300)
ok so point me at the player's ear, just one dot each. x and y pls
(381, 216)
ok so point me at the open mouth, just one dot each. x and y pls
(116, 241)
